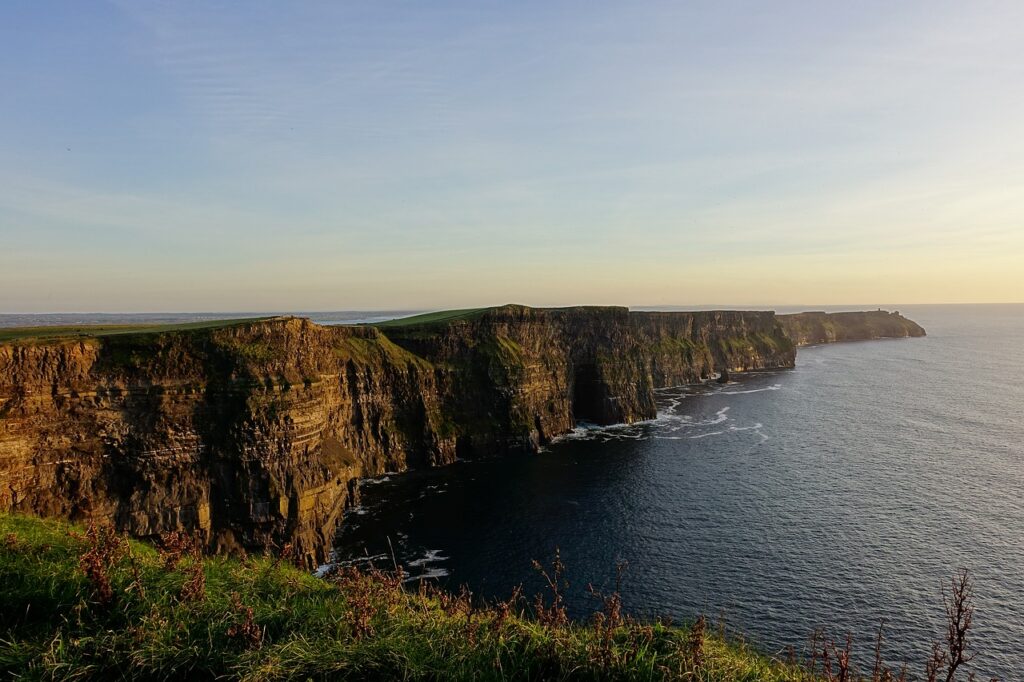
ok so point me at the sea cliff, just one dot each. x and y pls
(806, 329)
(254, 434)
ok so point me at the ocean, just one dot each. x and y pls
(832, 496)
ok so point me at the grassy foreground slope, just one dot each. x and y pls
(88, 604)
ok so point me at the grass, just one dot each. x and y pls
(444, 316)
(376, 348)
(88, 331)
(434, 318)
(79, 604)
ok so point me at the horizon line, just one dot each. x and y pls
(638, 307)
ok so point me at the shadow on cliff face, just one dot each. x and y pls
(589, 395)
(174, 457)
(221, 419)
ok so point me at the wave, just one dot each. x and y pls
(588, 431)
(383, 478)
(773, 387)
(433, 489)
(322, 570)
(756, 427)
(436, 572)
(666, 420)
(720, 416)
(431, 556)
(707, 435)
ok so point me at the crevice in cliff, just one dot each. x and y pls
(588, 395)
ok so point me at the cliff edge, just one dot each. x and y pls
(254, 433)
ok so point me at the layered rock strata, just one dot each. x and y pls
(254, 434)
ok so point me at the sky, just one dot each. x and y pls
(274, 156)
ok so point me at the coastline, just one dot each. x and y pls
(254, 432)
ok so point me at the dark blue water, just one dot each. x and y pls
(833, 495)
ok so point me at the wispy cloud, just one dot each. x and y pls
(529, 146)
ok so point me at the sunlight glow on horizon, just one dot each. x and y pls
(159, 156)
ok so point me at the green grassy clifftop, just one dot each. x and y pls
(79, 604)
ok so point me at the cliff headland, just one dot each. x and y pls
(812, 328)
(254, 433)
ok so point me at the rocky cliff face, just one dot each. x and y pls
(254, 434)
(516, 377)
(251, 435)
(819, 327)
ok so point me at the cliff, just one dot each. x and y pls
(516, 377)
(811, 328)
(254, 433)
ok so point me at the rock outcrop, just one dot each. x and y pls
(254, 434)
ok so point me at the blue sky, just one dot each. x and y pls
(159, 156)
